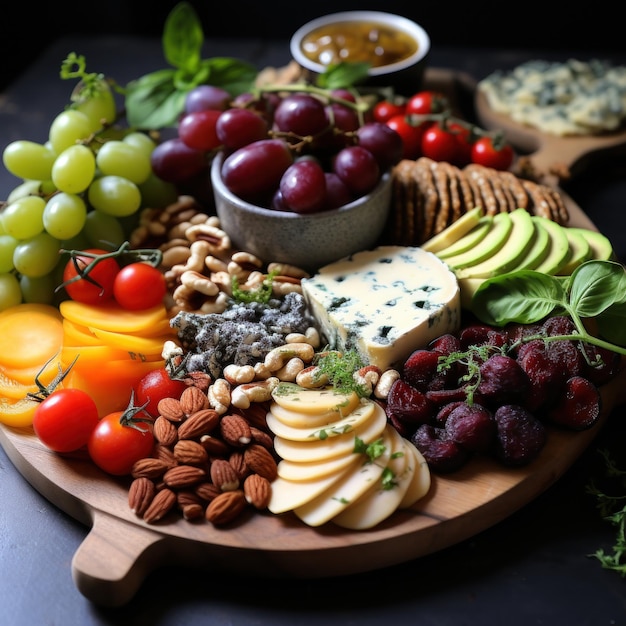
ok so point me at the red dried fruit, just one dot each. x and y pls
(480, 335)
(408, 405)
(446, 344)
(579, 406)
(601, 365)
(441, 453)
(421, 371)
(503, 381)
(471, 426)
(520, 436)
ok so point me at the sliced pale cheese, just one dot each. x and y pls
(420, 485)
(349, 488)
(288, 495)
(308, 451)
(313, 401)
(299, 419)
(349, 423)
(380, 501)
(384, 303)
(298, 471)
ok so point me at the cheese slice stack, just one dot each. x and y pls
(385, 303)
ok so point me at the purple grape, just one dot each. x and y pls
(303, 186)
(383, 142)
(236, 128)
(253, 172)
(337, 193)
(301, 114)
(174, 162)
(207, 97)
(357, 168)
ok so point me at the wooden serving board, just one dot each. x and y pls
(120, 550)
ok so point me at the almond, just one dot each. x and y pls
(140, 495)
(258, 491)
(238, 461)
(235, 430)
(207, 491)
(183, 476)
(193, 399)
(185, 497)
(215, 447)
(149, 468)
(262, 438)
(193, 512)
(190, 452)
(171, 409)
(165, 454)
(199, 423)
(225, 507)
(164, 431)
(261, 461)
(223, 475)
(160, 506)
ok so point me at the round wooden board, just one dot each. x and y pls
(120, 549)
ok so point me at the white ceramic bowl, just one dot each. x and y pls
(307, 241)
(405, 75)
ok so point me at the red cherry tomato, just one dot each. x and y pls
(411, 135)
(97, 285)
(439, 144)
(427, 102)
(385, 110)
(463, 136)
(139, 286)
(494, 153)
(119, 440)
(154, 386)
(65, 420)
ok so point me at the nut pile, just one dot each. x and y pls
(207, 465)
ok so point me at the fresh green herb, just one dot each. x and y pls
(596, 289)
(388, 479)
(324, 433)
(613, 510)
(339, 368)
(91, 83)
(156, 100)
(372, 450)
(261, 294)
(343, 75)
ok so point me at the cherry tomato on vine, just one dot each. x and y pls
(411, 135)
(494, 153)
(439, 144)
(385, 110)
(464, 140)
(427, 102)
(154, 386)
(119, 440)
(65, 420)
(139, 286)
(94, 287)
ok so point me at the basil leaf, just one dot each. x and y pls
(611, 324)
(183, 38)
(524, 296)
(235, 76)
(343, 75)
(596, 285)
(152, 101)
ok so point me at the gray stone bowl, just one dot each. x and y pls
(406, 76)
(308, 241)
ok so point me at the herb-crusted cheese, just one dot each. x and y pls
(384, 303)
(571, 98)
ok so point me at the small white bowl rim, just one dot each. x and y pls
(218, 184)
(399, 21)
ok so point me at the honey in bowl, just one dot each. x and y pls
(353, 42)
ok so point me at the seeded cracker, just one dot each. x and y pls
(454, 184)
(489, 202)
(428, 194)
(513, 183)
(441, 184)
(561, 214)
(540, 205)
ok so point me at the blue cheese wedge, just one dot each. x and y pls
(384, 303)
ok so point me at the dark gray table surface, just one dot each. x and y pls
(531, 569)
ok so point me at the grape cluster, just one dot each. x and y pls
(294, 150)
(494, 392)
(80, 189)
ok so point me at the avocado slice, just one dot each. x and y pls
(601, 247)
(537, 251)
(454, 232)
(559, 248)
(508, 257)
(469, 240)
(495, 238)
(580, 251)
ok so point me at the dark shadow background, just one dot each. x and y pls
(549, 25)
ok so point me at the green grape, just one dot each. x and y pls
(28, 160)
(67, 129)
(74, 169)
(99, 107)
(103, 231)
(10, 292)
(114, 195)
(38, 289)
(157, 193)
(7, 248)
(64, 215)
(142, 141)
(37, 256)
(23, 218)
(27, 188)
(118, 158)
